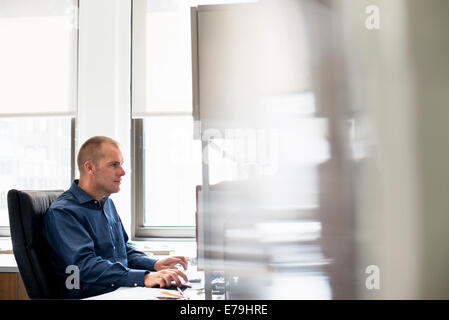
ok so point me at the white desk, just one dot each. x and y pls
(8, 263)
(11, 284)
(141, 293)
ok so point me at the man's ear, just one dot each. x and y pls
(89, 167)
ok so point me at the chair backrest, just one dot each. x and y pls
(26, 212)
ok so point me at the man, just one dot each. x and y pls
(85, 233)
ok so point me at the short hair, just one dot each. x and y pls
(91, 150)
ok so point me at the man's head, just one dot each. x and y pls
(100, 163)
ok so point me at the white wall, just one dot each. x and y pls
(380, 81)
(398, 78)
(429, 47)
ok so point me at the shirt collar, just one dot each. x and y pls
(81, 195)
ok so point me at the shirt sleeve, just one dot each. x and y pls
(71, 242)
(137, 259)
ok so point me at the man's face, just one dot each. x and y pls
(108, 171)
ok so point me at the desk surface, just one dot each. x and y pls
(196, 292)
(141, 293)
(8, 263)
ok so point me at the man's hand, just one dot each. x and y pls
(164, 278)
(170, 263)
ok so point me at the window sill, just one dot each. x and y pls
(5, 245)
(160, 247)
(153, 247)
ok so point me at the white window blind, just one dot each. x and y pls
(162, 72)
(38, 57)
(162, 56)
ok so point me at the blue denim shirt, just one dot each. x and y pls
(88, 234)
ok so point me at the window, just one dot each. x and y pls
(168, 157)
(36, 154)
(38, 64)
(173, 170)
(168, 167)
(169, 163)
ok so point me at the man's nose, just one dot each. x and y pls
(122, 172)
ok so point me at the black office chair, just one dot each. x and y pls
(26, 211)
